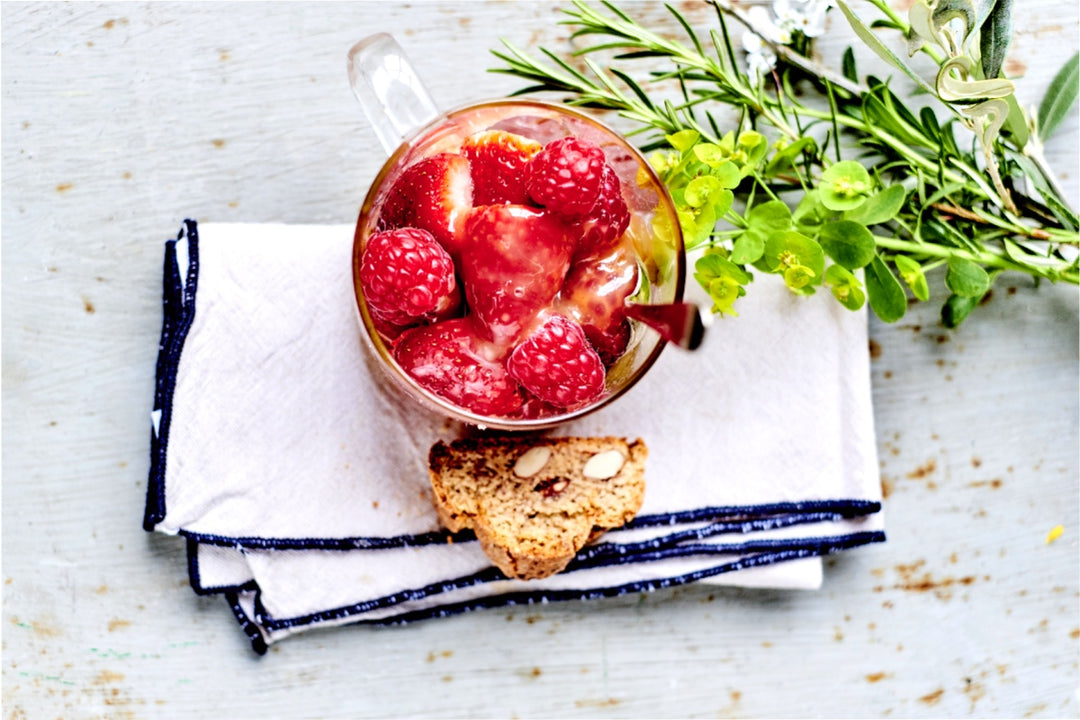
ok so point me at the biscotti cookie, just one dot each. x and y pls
(534, 502)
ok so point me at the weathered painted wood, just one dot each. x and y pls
(121, 119)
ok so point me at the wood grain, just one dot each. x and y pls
(120, 119)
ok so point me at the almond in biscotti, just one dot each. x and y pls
(532, 461)
(604, 465)
(530, 501)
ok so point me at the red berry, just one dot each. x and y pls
(557, 364)
(595, 294)
(407, 277)
(610, 342)
(608, 219)
(497, 161)
(449, 360)
(515, 261)
(433, 194)
(565, 176)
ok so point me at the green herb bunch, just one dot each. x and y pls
(855, 193)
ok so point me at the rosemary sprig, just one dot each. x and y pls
(776, 191)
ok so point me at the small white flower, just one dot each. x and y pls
(805, 16)
(760, 58)
(815, 19)
(788, 18)
(762, 22)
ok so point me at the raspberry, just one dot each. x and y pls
(407, 277)
(607, 220)
(565, 176)
(434, 194)
(449, 360)
(497, 161)
(517, 260)
(557, 364)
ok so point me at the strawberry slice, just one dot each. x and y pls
(557, 364)
(594, 295)
(434, 194)
(516, 260)
(449, 360)
(497, 160)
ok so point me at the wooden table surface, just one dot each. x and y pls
(121, 119)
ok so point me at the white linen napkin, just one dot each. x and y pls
(302, 488)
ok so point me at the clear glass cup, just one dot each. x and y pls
(410, 128)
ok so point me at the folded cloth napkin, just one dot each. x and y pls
(301, 483)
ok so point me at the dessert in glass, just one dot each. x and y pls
(497, 252)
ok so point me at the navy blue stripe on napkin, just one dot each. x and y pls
(615, 552)
(772, 552)
(845, 507)
(195, 577)
(258, 642)
(754, 517)
(178, 304)
(816, 546)
(771, 557)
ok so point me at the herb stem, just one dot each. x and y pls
(790, 56)
(987, 257)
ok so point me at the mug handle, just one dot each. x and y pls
(394, 99)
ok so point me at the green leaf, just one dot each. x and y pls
(1026, 257)
(747, 249)
(845, 287)
(764, 220)
(847, 65)
(728, 174)
(724, 291)
(787, 155)
(956, 309)
(754, 145)
(966, 278)
(912, 275)
(844, 185)
(1033, 173)
(880, 207)
(809, 213)
(798, 277)
(793, 254)
(698, 191)
(848, 243)
(722, 279)
(867, 36)
(960, 87)
(1060, 97)
(921, 27)
(683, 140)
(712, 265)
(697, 223)
(1016, 122)
(887, 297)
(710, 154)
(930, 121)
(945, 11)
(994, 37)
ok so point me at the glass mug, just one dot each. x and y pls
(411, 128)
